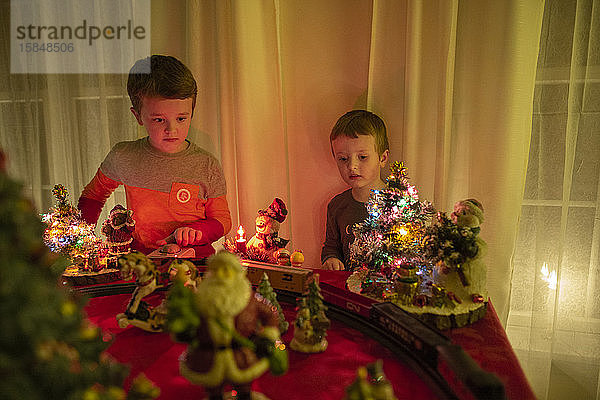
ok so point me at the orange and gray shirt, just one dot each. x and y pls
(164, 191)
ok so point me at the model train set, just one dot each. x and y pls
(418, 345)
(87, 325)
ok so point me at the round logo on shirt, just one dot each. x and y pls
(183, 195)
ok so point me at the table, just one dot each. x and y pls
(313, 376)
(485, 342)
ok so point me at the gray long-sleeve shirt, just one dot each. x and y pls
(342, 212)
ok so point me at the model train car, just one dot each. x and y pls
(404, 332)
(432, 346)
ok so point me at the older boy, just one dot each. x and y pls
(360, 147)
(175, 189)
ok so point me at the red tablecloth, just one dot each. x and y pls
(485, 341)
(310, 376)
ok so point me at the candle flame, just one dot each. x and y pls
(241, 233)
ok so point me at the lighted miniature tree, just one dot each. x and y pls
(48, 349)
(388, 244)
(266, 290)
(67, 233)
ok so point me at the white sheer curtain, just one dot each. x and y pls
(554, 321)
(467, 112)
(57, 128)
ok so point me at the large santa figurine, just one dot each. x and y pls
(220, 351)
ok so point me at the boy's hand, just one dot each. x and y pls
(183, 236)
(333, 263)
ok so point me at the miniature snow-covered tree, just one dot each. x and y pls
(266, 290)
(311, 324)
(48, 349)
(314, 299)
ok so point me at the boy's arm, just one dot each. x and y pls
(94, 196)
(217, 222)
(334, 264)
(332, 247)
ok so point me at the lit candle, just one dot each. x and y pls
(240, 240)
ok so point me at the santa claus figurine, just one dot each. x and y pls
(118, 229)
(220, 353)
(266, 241)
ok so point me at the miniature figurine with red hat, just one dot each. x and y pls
(266, 241)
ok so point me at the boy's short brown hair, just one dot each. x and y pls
(160, 76)
(361, 122)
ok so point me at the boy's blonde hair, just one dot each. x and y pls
(168, 78)
(361, 122)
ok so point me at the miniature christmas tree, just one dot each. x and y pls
(314, 299)
(48, 350)
(266, 290)
(67, 233)
(388, 244)
(311, 324)
(447, 243)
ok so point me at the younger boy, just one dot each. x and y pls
(175, 189)
(360, 147)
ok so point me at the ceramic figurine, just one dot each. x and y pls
(180, 270)
(138, 313)
(267, 240)
(185, 271)
(297, 259)
(118, 229)
(232, 332)
(282, 257)
(468, 213)
(466, 281)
